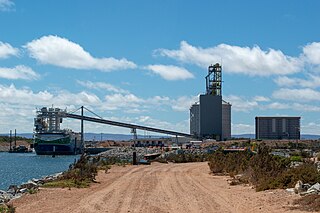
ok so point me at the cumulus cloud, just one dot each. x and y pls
(261, 99)
(18, 72)
(6, 5)
(312, 82)
(102, 85)
(116, 101)
(7, 50)
(61, 52)
(244, 60)
(240, 104)
(182, 104)
(242, 128)
(11, 94)
(169, 72)
(19, 104)
(312, 53)
(299, 95)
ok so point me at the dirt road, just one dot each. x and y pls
(157, 188)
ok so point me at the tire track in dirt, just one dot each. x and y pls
(158, 188)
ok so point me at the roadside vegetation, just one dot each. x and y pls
(7, 208)
(183, 158)
(263, 170)
(308, 203)
(81, 173)
(266, 171)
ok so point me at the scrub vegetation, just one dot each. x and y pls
(263, 170)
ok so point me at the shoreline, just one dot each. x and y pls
(187, 187)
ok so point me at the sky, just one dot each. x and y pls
(145, 62)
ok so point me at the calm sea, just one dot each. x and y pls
(16, 168)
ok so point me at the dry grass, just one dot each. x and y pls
(308, 203)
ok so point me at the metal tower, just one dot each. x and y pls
(214, 80)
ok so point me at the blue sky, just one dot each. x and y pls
(144, 61)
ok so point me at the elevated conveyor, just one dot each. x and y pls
(126, 125)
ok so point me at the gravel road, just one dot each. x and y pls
(158, 188)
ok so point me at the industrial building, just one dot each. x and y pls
(211, 116)
(278, 127)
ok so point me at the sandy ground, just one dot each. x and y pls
(158, 188)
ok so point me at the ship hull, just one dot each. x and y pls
(57, 144)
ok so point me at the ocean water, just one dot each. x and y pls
(17, 168)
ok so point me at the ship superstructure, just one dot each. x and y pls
(49, 138)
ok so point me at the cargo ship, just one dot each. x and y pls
(49, 139)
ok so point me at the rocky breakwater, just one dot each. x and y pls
(125, 153)
(32, 186)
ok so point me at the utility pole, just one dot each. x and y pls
(15, 137)
(134, 154)
(10, 140)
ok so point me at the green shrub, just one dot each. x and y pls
(7, 208)
(263, 170)
(296, 158)
(229, 163)
(67, 183)
(183, 158)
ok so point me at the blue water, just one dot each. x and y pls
(16, 168)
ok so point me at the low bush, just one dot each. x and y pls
(234, 163)
(7, 208)
(263, 170)
(183, 158)
(80, 174)
(307, 203)
(67, 183)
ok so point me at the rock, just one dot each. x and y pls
(290, 190)
(18, 195)
(298, 187)
(29, 185)
(5, 197)
(12, 189)
(23, 190)
(315, 186)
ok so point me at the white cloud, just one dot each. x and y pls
(312, 82)
(182, 126)
(239, 104)
(261, 99)
(182, 104)
(117, 101)
(21, 102)
(244, 60)
(169, 72)
(7, 50)
(10, 94)
(304, 107)
(312, 53)
(61, 52)
(299, 95)
(310, 128)
(103, 86)
(242, 129)
(18, 72)
(277, 105)
(6, 5)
